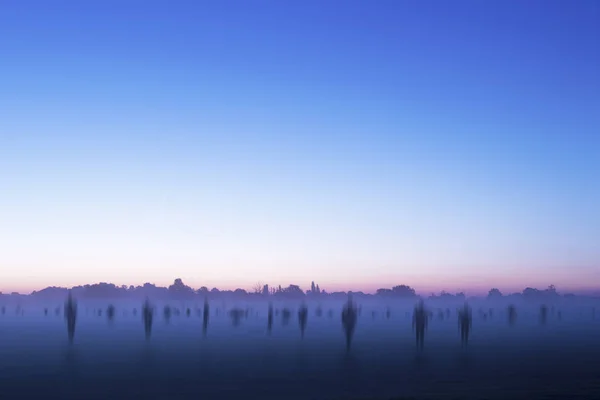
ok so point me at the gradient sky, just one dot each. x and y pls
(361, 144)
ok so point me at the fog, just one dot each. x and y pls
(238, 356)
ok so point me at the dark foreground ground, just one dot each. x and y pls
(112, 361)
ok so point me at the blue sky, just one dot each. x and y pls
(360, 144)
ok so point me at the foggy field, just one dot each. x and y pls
(113, 360)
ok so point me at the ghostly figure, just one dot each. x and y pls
(465, 321)
(319, 311)
(543, 314)
(349, 316)
(71, 316)
(512, 315)
(420, 320)
(205, 316)
(302, 317)
(110, 313)
(167, 314)
(236, 315)
(147, 315)
(270, 319)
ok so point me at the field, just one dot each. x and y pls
(112, 360)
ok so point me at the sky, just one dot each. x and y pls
(360, 144)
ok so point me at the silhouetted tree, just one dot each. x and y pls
(179, 290)
(257, 288)
(494, 294)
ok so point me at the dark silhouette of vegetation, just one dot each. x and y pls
(180, 291)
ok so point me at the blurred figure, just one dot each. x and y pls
(188, 312)
(543, 314)
(465, 321)
(270, 318)
(205, 316)
(167, 313)
(46, 311)
(419, 323)
(512, 315)
(147, 315)
(71, 316)
(302, 317)
(319, 311)
(110, 313)
(135, 312)
(388, 313)
(349, 316)
(3, 310)
(330, 314)
(285, 316)
(236, 316)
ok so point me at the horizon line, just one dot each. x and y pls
(425, 292)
